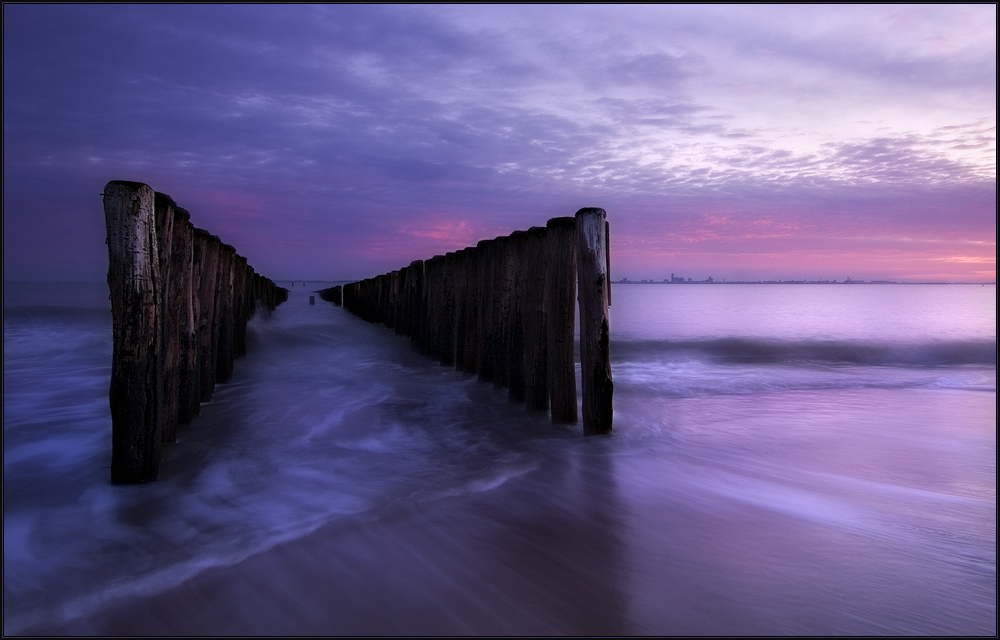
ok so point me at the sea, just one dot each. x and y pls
(785, 459)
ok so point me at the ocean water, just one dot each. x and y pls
(797, 459)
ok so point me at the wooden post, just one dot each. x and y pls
(461, 295)
(198, 249)
(206, 322)
(487, 301)
(470, 355)
(134, 281)
(536, 376)
(502, 291)
(447, 313)
(400, 317)
(184, 312)
(433, 303)
(224, 317)
(166, 411)
(415, 301)
(595, 361)
(241, 310)
(560, 303)
(517, 252)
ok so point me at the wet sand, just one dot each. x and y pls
(574, 547)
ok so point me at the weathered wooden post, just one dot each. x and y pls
(505, 310)
(166, 409)
(536, 367)
(560, 303)
(134, 281)
(461, 300)
(501, 311)
(224, 315)
(242, 307)
(470, 355)
(210, 246)
(515, 339)
(184, 312)
(592, 267)
(415, 301)
(399, 315)
(487, 302)
(448, 309)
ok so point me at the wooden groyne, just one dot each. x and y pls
(504, 310)
(180, 301)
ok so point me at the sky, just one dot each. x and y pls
(340, 142)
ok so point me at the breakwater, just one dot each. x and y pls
(504, 310)
(180, 301)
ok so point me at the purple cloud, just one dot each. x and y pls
(320, 139)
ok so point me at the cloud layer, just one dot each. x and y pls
(341, 141)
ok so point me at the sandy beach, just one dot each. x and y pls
(593, 543)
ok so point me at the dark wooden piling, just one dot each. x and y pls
(505, 310)
(470, 355)
(515, 338)
(594, 287)
(180, 302)
(401, 320)
(415, 301)
(166, 411)
(447, 314)
(560, 302)
(461, 297)
(183, 309)
(502, 292)
(536, 367)
(224, 309)
(487, 303)
(210, 249)
(242, 306)
(331, 294)
(133, 278)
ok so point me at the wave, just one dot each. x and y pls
(751, 351)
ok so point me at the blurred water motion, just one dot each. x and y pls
(830, 471)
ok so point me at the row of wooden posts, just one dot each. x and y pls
(504, 310)
(180, 302)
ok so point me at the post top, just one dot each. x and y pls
(165, 200)
(129, 183)
(206, 235)
(589, 211)
(565, 222)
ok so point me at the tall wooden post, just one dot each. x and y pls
(595, 361)
(515, 339)
(134, 281)
(501, 317)
(210, 249)
(461, 297)
(447, 345)
(184, 311)
(415, 281)
(536, 368)
(560, 305)
(166, 411)
(487, 302)
(470, 353)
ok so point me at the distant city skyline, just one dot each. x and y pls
(331, 142)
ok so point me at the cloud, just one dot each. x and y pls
(329, 126)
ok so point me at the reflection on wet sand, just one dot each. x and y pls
(540, 555)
